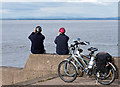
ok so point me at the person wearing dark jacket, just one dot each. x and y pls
(61, 42)
(37, 40)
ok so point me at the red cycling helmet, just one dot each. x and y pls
(62, 30)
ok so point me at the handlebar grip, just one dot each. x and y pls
(76, 43)
(82, 43)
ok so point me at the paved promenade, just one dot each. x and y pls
(78, 81)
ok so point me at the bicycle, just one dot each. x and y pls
(69, 68)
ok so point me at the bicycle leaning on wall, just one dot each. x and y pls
(78, 63)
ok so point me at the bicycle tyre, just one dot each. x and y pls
(102, 80)
(80, 69)
(65, 75)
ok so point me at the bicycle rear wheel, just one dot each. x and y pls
(67, 71)
(106, 78)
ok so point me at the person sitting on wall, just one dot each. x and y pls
(37, 39)
(61, 42)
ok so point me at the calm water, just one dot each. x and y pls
(102, 34)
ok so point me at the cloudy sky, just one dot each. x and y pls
(59, 8)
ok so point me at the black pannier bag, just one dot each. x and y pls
(101, 60)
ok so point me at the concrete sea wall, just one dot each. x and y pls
(37, 65)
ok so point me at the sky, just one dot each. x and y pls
(59, 8)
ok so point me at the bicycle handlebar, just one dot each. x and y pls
(81, 43)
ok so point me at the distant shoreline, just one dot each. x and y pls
(58, 19)
(109, 18)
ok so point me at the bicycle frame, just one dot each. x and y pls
(77, 54)
(82, 59)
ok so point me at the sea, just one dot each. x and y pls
(102, 34)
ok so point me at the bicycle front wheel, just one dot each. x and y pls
(67, 71)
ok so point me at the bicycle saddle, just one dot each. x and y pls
(92, 49)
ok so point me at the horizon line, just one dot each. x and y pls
(106, 18)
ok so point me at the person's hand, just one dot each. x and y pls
(34, 30)
(59, 33)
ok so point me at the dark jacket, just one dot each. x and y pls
(37, 46)
(61, 42)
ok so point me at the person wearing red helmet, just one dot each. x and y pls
(61, 42)
(62, 30)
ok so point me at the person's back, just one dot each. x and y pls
(61, 42)
(37, 40)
